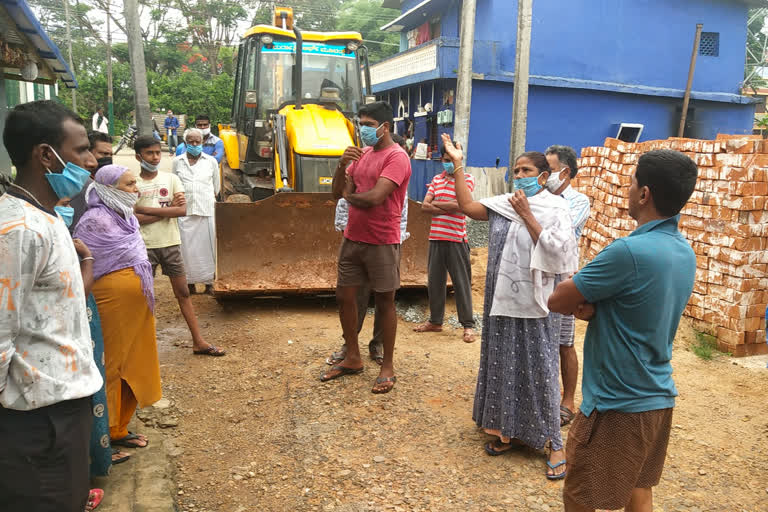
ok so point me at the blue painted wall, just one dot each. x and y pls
(580, 118)
(638, 42)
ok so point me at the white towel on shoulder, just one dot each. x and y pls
(527, 271)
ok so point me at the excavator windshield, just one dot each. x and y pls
(328, 72)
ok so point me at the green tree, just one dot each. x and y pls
(366, 17)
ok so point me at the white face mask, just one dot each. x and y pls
(554, 182)
(206, 132)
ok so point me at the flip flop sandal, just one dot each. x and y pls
(566, 415)
(122, 459)
(343, 370)
(335, 358)
(428, 327)
(553, 467)
(383, 380)
(94, 499)
(492, 448)
(123, 441)
(210, 351)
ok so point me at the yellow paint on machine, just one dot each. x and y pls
(228, 136)
(306, 36)
(326, 180)
(317, 131)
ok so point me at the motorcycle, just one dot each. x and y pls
(127, 139)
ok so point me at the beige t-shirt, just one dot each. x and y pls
(158, 193)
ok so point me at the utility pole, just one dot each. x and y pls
(110, 99)
(464, 81)
(138, 68)
(689, 85)
(69, 45)
(520, 97)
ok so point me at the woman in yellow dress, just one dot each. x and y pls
(124, 295)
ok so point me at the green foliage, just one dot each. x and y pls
(705, 346)
(367, 17)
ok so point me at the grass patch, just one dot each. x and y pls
(705, 346)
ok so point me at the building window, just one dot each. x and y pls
(710, 44)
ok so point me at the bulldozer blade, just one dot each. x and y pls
(287, 244)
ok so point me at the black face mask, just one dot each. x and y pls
(107, 160)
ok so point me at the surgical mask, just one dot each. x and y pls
(67, 214)
(554, 182)
(206, 132)
(194, 150)
(448, 167)
(70, 181)
(369, 135)
(529, 186)
(148, 166)
(107, 160)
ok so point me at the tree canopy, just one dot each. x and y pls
(189, 47)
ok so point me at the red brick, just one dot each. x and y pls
(730, 337)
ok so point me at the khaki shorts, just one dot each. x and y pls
(611, 453)
(169, 259)
(361, 263)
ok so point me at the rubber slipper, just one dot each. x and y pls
(335, 358)
(210, 351)
(383, 380)
(492, 448)
(120, 460)
(123, 441)
(428, 327)
(566, 415)
(94, 499)
(553, 467)
(343, 370)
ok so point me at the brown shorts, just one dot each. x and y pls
(611, 453)
(169, 259)
(378, 265)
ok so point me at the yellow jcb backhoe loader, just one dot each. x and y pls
(296, 94)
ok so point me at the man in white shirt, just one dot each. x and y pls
(562, 160)
(100, 123)
(47, 371)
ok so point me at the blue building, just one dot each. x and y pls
(595, 64)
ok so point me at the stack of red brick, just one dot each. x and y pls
(726, 222)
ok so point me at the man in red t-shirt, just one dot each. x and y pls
(374, 185)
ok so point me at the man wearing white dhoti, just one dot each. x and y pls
(199, 173)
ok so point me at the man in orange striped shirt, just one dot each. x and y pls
(448, 252)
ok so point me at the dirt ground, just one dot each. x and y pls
(258, 431)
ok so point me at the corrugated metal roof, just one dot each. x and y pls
(27, 25)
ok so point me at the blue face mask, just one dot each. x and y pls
(448, 167)
(148, 166)
(67, 214)
(369, 135)
(194, 150)
(70, 181)
(529, 186)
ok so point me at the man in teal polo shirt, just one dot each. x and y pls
(633, 294)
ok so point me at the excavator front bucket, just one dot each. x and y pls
(286, 244)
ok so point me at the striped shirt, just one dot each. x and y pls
(579, 207)
(451, 227)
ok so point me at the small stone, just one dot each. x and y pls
(366, 466)
(180, 493)
(237, 478)
(702, 472)
(290, 342)
(251, 474)
(344, 472)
